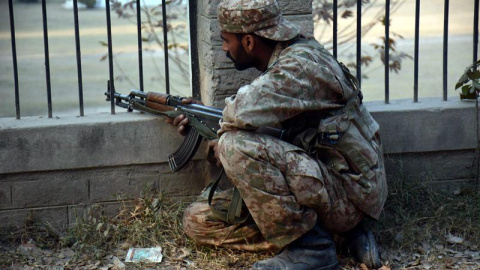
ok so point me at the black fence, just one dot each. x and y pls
(416, 49)
(192, 8)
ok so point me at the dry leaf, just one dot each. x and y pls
(454, 239)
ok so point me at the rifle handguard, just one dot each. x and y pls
(158, 97)
(157, 106)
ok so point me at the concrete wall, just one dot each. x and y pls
(429, 140)
(54, 168)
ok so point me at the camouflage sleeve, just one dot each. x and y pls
(288, 89)
(267, 101)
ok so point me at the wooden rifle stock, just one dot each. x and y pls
(158, 97)
(158, 106)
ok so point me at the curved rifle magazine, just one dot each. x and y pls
(186, 150)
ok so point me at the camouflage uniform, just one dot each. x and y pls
(331, 172)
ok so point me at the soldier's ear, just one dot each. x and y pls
(248, 43)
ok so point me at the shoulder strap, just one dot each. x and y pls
(353, 82)
(234, 213)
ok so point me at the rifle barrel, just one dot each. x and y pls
(138, 93)
(120, 96)
(205, 108)
(201, 113)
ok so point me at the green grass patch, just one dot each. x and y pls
(421, 212)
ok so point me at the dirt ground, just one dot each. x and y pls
(464, 256)
(421, 227)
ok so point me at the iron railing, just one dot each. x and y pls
(78, 52)
(192, 8)
(416, 43)
(14, 57)
(140, 49)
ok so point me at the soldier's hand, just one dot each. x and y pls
(181, 121)
(191, 100)
(213, 156)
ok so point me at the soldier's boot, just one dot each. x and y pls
(360, 243)
(315, 250)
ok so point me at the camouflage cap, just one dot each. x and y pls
(262, 17)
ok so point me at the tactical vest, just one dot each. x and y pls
(343, 140)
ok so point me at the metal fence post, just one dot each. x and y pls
(387, 51)
(359, 42)
(165, 46)
(14, 56)
(445, 50)
(111, 84)
(79, 57)
(47, 58)
(140, 52)
(417, 37)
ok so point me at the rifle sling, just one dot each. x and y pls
(234, 213)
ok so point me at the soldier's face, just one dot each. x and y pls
(235, 51)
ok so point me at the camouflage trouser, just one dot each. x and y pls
(284, 189)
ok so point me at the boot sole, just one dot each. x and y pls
(374, 256)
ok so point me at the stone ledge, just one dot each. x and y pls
(55, 217)
(430, 125)
(35, 144)
(100, 140)
(97, 185)
(432, 166)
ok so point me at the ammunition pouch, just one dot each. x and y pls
(343, 141)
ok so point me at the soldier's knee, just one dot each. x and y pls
(229, 146)
(237, 141)
(227, 140)
(199, 225)
(192, 219)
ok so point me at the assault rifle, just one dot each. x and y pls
(203, 120)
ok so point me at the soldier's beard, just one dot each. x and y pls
(242, 62)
